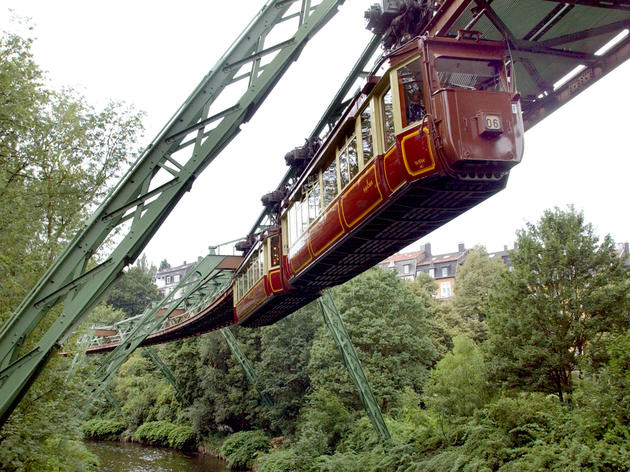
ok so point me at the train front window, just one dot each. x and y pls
(411, 98)
(471, 74)
(387, 110)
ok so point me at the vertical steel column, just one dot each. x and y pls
(250, 373)
(344, 343)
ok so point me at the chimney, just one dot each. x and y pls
(427, 249)
(461, 247)
(626, 248)
(505, 249)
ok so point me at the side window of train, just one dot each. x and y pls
(330, 182)
(411, 93)
(313, 197)
(348, 161)
(274, 250)
(367, 140)
(387, 110)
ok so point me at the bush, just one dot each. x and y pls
(164, 433)
(99, 429)
(183, 438)
(240, 449)
(284, 460)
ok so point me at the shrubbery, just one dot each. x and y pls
(100, 429)
(164, 433)
(240, 449)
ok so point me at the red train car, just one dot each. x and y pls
(435, 134)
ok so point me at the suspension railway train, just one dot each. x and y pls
(433, 133)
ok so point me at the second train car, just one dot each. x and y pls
(433, 134)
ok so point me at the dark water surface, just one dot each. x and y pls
(131, 457)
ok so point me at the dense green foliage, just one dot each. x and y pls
(102, 429)
(565, 294)
(462, 383)
(164, 433)
(134, 291)
(241, 449)
(58, 157)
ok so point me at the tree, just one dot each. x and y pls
(444, 322)
(457, 385)
(164, 265)
(565, 293)
(473, 282)
(58, 157)
(133, 292)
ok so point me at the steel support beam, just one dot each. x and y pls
(335, 325)
(139, 204)
(250, 373)
(159, 363)
(110, 398)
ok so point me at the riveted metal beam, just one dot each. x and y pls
(335, 325)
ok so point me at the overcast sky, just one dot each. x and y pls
(152, 55)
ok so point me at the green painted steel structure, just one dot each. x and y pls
(204, 281)
(152, 187)
(159, 363)
(250, 373)
(335, 325)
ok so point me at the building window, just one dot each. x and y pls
(168, 279)
(432, 273)
(176, 278)
(407, 269)
(445, 290)
(444, 271)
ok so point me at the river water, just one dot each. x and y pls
(132, 457)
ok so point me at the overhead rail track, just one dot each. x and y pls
(145, 196)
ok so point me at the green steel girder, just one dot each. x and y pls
(139, 204)
(250, 373)
(344, 343)
(110, 398)
(202, 275)
(159, 363)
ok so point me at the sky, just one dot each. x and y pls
(152, 54)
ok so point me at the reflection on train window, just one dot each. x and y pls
(387, 110)
(313, 197)
(274, 246)
(469, 74)
(329, 177)
(411, 98)
(366, 134)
